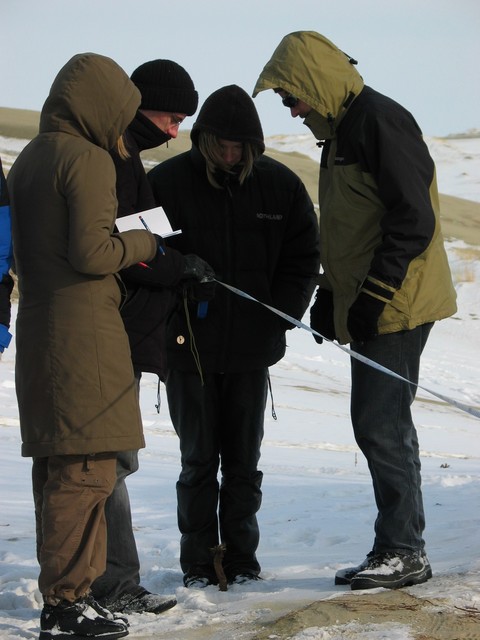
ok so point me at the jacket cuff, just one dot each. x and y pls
(378, 289)
(5, 337)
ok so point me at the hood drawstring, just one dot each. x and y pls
(274, 415)
(351, 60)
(193, 345)
(159, 400)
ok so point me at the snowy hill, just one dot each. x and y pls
(457, 159)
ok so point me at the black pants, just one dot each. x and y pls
(220, 424)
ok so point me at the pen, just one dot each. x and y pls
(160, 248)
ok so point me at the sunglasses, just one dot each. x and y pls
(290, 101)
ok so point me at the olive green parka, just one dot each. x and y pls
(379, 209)
(74, 379)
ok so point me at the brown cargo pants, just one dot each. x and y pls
(69, 494)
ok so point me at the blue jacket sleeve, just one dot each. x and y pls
(6, 283)
(5, 227)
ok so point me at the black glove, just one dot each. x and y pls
(6, 286)
(321, 315)
(201, 291)
(165, 270)
(197, 269)
(202, 285)
(363, 315)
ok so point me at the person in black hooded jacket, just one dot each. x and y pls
(251, 218)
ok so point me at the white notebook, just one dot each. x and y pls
(155, 220)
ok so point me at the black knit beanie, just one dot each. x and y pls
(165, 86)
(230, 113)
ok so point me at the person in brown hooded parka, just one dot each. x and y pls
(75, 386)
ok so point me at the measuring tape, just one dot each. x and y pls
(459, 405)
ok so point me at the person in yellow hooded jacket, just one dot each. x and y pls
(384, 280)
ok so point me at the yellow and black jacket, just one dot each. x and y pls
(379, 208)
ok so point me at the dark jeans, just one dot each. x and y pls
(219, 424)
(122, 574)
(384, 431)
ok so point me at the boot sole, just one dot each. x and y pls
(364, 582)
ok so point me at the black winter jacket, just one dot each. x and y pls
(148, 294)
(261, 237)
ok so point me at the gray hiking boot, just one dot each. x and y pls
(344, 576)
(393, 571)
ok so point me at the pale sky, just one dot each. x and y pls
(423, 53)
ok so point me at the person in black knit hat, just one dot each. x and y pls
(254, 222)
(168, 97)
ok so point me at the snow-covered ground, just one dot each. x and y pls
(318, 508)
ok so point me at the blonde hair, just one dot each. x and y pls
(122, 148)
(211, 150)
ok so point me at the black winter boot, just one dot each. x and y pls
(106, 613)
(78, 621)
(140, 602)
(345, 576)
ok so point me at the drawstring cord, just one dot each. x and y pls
(159, 400)
(274, 415)
(193, 346)
(196, 356)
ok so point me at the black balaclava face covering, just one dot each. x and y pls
(147, 135)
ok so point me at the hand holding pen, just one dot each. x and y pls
(160, 248)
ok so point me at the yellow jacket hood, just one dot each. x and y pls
(310, 67)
